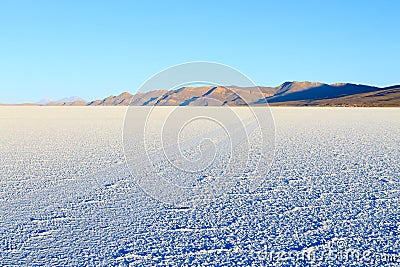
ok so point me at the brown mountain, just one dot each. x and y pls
(386, 97)
(120, 100)
(306, 91)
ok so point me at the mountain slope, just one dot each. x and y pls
(120, 100)
(295, 91)
(386, 97)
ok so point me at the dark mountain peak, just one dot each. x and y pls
(285, 84)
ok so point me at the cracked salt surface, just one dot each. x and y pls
(67, 197)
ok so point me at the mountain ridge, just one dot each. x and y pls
(287, 94)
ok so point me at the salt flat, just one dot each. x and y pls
(68, 198)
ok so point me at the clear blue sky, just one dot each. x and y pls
(96, 48)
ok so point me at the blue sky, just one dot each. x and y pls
(96, 48)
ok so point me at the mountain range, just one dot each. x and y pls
(286, 94)
(67, 101)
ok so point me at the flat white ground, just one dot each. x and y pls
(67, 197)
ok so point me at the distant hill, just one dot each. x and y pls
(71, 99)
(286, 94)
(68, 101)
(44, 101)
